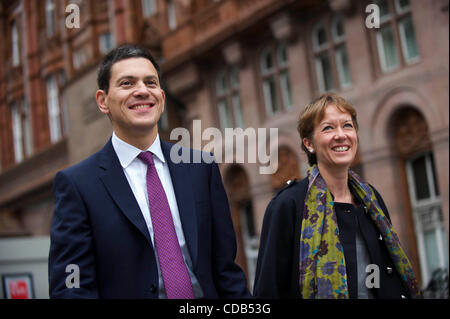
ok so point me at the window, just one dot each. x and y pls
(15, 44)
(105, 42)
(228, 98)
(395, 39)
(17, 133)
(50, 17)
(427, 212)
(22, 130)
(54, 109)
(27, 128)
(149, 7)
(276, 84)
(330, 55)
(171, 14)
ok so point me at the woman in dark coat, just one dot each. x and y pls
(329, 235)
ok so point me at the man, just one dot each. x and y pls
(134, 223)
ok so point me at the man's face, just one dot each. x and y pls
(135, 100)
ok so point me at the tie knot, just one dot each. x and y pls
(146, 157)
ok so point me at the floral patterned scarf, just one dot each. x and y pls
(322, 264)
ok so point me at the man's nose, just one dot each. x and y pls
(141, 90)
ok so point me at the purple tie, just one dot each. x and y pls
(174, 271)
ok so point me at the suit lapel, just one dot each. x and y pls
(116, 183)
(182, 184)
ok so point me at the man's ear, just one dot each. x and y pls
(100, 97)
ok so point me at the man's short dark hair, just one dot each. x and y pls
(122, 52)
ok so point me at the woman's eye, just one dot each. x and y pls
(326, 128)
(349, 125)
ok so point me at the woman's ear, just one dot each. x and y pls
(100, 97)
(308, 144)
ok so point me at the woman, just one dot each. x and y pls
(329, 235)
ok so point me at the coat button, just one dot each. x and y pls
(389, 270)
(404, 297)
(380, 238)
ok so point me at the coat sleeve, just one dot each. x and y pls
(274, 271)
(71, 259)
(229, 278)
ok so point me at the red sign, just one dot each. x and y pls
(18, 289)
(18, 286)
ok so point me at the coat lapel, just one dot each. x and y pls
(116, 183)
(182, 184)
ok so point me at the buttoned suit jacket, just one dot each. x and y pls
(98, 226)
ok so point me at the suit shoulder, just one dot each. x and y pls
(83, 167)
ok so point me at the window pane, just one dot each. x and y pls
(420, 178)
(408, 39)
(15, 45)
(53, 110)
(282, 55)
(234, 77)
(224, 114)
(17, 133)
(237, 110)
(319, 37)
(342, 67)
(402, 5)
(286, 90)
(384, 8)
(337, 29)
(270, 97)
(266, 61)
(436, 185)
(431, 250)
(323, 69)
(27, 128)
(105, 42)
(148, 7)
(50, 17)
(221, 83)
(171, 14)
(386, 48)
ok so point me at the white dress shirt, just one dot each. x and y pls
(136, 171)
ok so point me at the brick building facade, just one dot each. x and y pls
(236, 63)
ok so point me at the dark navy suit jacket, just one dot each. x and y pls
(98, 226)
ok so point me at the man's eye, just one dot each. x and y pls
(125, 83)
(152, 82)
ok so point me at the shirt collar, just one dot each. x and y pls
(127, 152)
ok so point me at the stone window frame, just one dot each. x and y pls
(278, 73)
(393, 20)
(335, 43)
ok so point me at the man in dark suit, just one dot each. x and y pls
(131, 221)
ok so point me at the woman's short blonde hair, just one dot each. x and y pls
(314, 112)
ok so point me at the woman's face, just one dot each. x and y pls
(334, 140)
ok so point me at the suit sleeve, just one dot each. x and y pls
(70, 244)
(229, 278)
(274, 273)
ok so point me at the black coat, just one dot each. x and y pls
(277, 271)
